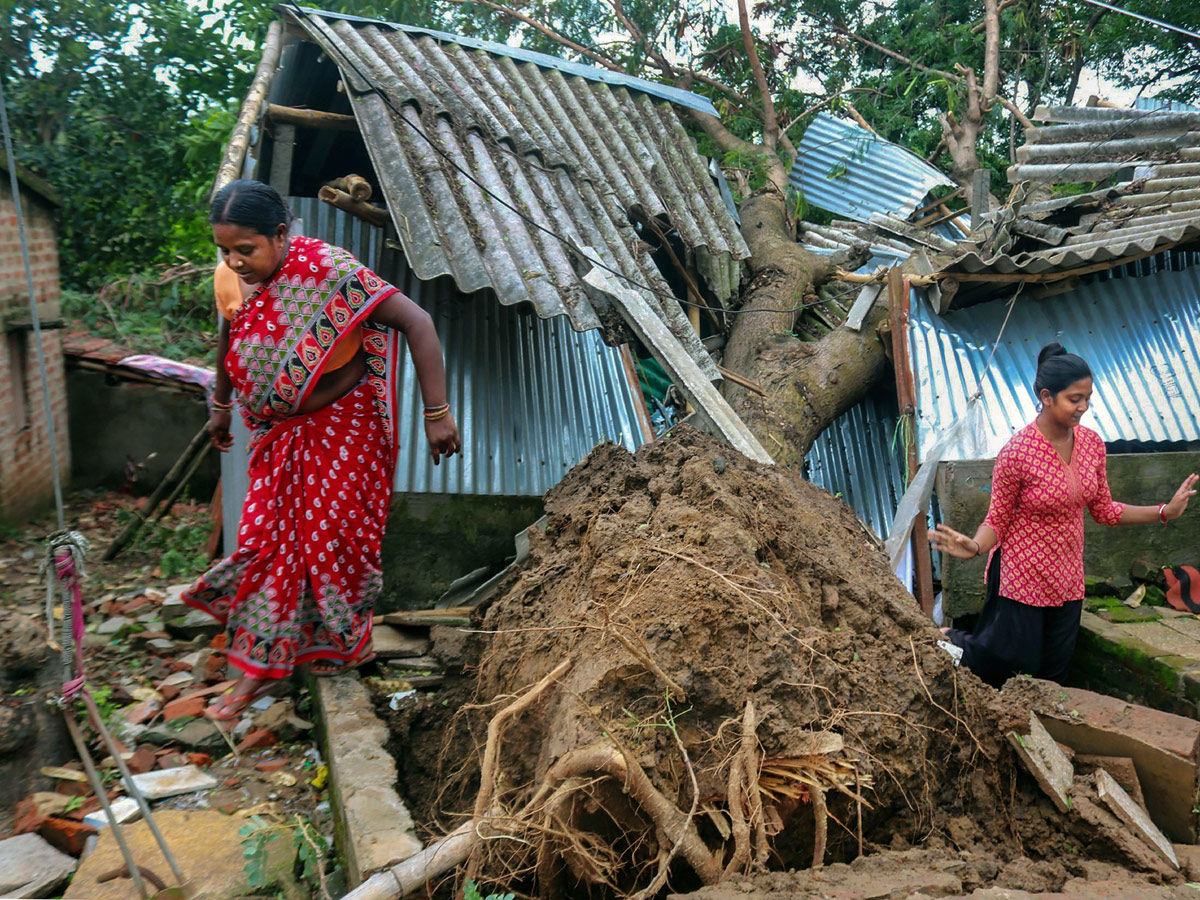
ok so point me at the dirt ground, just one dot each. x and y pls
(750, 690)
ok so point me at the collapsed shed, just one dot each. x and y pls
(1111, 272)
(518, 198)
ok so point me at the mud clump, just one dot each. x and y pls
(749, 687)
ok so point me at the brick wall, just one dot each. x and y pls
(26, 482)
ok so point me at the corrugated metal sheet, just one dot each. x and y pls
(850, 171)
(532, 397)
(1153, 103)
(1141, 337)
(569, 152)
(1153, 152)
(544, 60)
(857, 458)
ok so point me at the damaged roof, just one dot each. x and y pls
(852, 172)
(1147, 165)
(572, 150)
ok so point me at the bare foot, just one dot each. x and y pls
(233, 702)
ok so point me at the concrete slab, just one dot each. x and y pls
(372, 826)
(1163, 748)
(1185, 623)
(1046, 762)
(1162, 637)
(1119, 767)
(163, 783)
(390, 642)
(30, 867)
(1123, 807)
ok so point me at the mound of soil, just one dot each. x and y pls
(747, 680)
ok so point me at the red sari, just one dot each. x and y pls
(303, 581)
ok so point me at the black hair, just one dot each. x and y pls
(250, 204)
(1057, 369)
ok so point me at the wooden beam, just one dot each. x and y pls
(365, 211)
(282, 151)
(310, 118)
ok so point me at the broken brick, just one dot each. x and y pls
(169, 691)
(184, 706)
(140, 713)
(171, 760)
(233, 782)
(256, 739)
(65, 835)
(203, 760)
(219, 641)
(135, 604)
(271, 765)
(142, 760)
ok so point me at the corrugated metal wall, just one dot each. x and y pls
(858, 458)
(1141, 336)
(532, 397)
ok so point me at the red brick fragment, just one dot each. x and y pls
(140, 713)
(271, 765)
(184, 706)
(169, 691)
(172, 760)
(65, 835)
(219, 641)
(256, 739)
(203, 760)
(142, 760)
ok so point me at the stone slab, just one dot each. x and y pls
(1119, 767)
(164, 783)
(390, 642)
(1163, 748)
(1134, 817)
(30, 867)
(1185, 623)
(124, 809)
(372, 826)
(1163, 637)
(1046, 762)
(205, 843)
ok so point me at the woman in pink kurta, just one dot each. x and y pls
(1044, 478)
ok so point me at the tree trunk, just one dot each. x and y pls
(806, 384)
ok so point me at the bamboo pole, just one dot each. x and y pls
(239, 141)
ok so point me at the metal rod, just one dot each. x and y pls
(98, 787)
(132, 789)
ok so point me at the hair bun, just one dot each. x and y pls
(1051, 349)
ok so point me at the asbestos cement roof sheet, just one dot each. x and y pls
(573, 154)
(847, 170)
(1147, 161)
(1140, 335)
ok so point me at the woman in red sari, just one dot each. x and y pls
(311, 351)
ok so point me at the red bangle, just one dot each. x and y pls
(1162, 514)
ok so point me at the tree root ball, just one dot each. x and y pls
(749, 686)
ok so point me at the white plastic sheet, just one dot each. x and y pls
(966, 433)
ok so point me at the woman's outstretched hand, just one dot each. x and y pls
(1177, 505)
(952, 543)
(443, 437)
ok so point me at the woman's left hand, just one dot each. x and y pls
(1179, 502)
(443, 437)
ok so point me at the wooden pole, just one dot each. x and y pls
(183, 480)
(357, 208)
(311, 118)
(906, 397)
(239, 141)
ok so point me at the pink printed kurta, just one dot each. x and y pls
(1037, 513)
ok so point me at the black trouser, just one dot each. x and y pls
(1012, 638)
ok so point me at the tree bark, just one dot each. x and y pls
(806, 385)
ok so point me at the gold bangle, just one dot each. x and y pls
(440, 414)
(223, 407)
